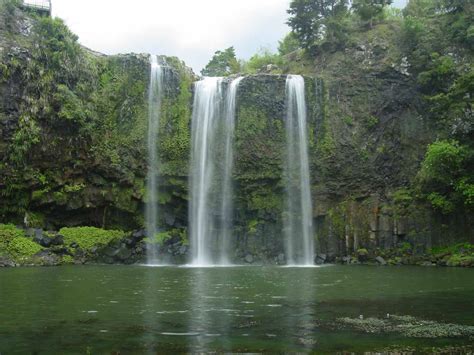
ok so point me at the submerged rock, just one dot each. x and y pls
(408, 326)
(6, 262)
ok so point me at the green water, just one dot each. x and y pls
(133, 309)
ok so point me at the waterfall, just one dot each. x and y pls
(211, 208)
(227, 188)
(155, 93)
(298, 216)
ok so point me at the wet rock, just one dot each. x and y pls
(380, 260)
(6, 262)
(281, 258)
(362, 255)
(408, 326)
(136, 237)
(47, 241)
(42, 240)
(249, 259)
(346, 259)
(321, 259)
(123, 253)
(48, 258)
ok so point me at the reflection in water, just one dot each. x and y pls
(118, 309)
(212, 311)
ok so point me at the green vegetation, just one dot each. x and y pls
(446, 176)
(265, 60)
(223, 63)
(77, 140)
(14, 244)
(88, 238)
(176, 234)
(22, 249)
(368, 10)
(312, 21)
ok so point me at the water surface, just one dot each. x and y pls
(130, 309)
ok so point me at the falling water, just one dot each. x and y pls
(227, 191)
(154, 113)
(213, 124)
(298, 217)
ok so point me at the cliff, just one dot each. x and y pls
(73, 144)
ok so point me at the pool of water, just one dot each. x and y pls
(130, 309)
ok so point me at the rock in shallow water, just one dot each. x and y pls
(6, 262)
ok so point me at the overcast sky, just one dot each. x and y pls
(190, 29)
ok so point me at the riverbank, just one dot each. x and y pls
(89, 245)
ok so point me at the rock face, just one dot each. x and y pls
(75, 154)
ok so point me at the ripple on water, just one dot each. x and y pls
(180, 334)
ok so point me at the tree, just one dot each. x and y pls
(308, 19)
(368, 10)
(223, 63)
(445, 178)
(288, 44)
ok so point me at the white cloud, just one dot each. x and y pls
(190, 29)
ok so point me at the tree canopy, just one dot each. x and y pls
(223, 63)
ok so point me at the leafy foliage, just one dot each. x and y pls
(368, 10)
(22, 248)
(312, 20)
(223, 63)
(260, 61)
(288, 44)
(446, 178)
(89, 237)
(14, 243)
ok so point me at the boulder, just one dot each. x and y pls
(380, 260)
(6, 262)
(362, 255)
(248, 259)
(48, 258)
(346, 259)
(320, 259)
(123, 253)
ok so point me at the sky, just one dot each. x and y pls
(189, 29)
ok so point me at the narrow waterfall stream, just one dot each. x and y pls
(155, 95)
(211, 209)
(298, 216)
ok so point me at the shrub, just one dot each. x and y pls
(89, 237)
(8, 232)
(22, 248)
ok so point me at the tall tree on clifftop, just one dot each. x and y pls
(368, 10)
(223, 63)
(309, 19)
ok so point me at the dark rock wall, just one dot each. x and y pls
(367, 138)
